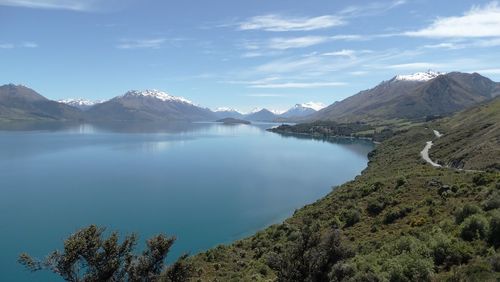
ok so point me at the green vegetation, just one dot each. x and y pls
(88, 256)
(375, 130)
(400, 220)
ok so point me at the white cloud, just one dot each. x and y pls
(444, 45)
(342, 53)
(414, 66)
(154, 43)
(75, 5)
(298, 85)
(480, 21)
(296, 42)
(280, 23)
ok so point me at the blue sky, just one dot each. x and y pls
(241, 54)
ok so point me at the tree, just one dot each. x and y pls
(88, 256)
(311, 257)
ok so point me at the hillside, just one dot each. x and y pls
(20, 103)
(413, 97)
(469, 147)
(400, 220)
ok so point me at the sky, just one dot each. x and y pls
(240, 54)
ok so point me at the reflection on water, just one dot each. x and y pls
(185, 179)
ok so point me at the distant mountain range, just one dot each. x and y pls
(417, 96)
(297, 111)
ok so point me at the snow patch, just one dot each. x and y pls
(419, 76)
(157, 94)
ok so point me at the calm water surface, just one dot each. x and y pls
(205, 183)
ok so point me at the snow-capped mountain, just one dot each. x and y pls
(413, 97)
(80, 103)
(313, 105)
(419, 76)
(302, 110)
(150, 105)
(261, 115)
(224, 112)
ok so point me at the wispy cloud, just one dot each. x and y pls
(480, 21)
(488, 71)
(414, 66)
(296, 42)
(22, 45)
(298, 85)
(154, 43)
(284, 43)
(75, 5)
(6, 46)
(370, 9)
(29, 45)
(265, 95)
(280, 23)
(348, 53)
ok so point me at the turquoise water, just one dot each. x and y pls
(206, 184)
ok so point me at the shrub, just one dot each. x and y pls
(375, 206)
(480, 179)
(394, 215)
(493, 202)
(351, 217)
(465, 212)
(448, 252)
(494, 235)
(400, 182)
(495, 262)
(474, 227)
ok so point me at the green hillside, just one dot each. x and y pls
(400, 220)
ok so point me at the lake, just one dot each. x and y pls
(205, 183)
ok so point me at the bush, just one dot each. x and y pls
(465, 212)
(448, 252)
(474, 227)
(480, 179)
(375, 206)
(494, 235)
(495, 262)
(400, 182)
(351, 217)
(394, 215)
(493, 202)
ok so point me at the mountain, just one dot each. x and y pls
(148, 105)
(80, 103)
(302, 110)
(227, 113)
(413, 97)
(18, 102)
(261, 115)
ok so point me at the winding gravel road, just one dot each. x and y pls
(425, 152)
